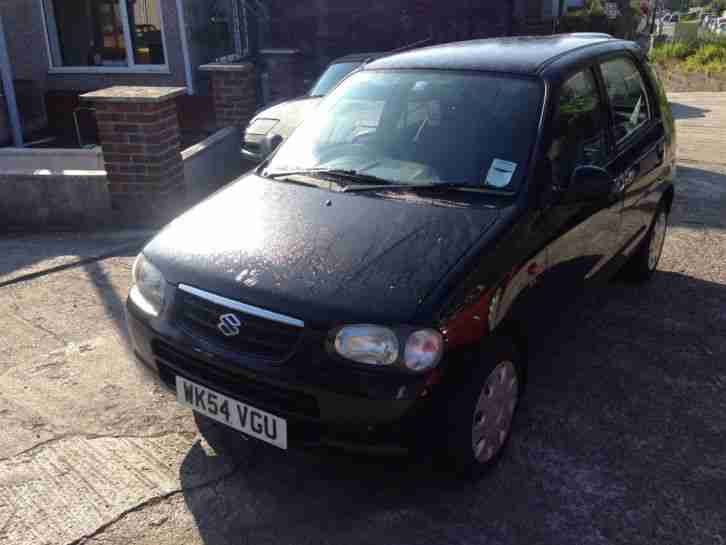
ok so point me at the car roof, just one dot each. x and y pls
(358, 57)
(517, 55)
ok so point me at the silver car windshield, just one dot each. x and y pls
(472, 129)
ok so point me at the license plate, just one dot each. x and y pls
(235, 414)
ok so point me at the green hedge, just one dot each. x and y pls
(707, 54)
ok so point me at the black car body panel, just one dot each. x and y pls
(326, 258)
(273, 245)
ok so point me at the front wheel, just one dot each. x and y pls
(480, 417)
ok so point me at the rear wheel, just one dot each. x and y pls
(480, 416)
(644, 261)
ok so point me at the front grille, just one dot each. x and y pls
(257, 336)
(172, 362)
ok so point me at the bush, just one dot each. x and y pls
(677, 50)
(708, 54)
(709, 57)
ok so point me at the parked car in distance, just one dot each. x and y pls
(275, 123)
(373, 284)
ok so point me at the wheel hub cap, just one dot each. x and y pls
(494, 410)
(656, 240)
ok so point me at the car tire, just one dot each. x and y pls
(225, 441)
(480, 415)
(644, 262)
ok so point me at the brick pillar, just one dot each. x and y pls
(287, 73)
(234, 88)
(138, 128)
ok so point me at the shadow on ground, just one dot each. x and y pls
(25, 255)
(619, 440)
(700, 197)
(683, 111)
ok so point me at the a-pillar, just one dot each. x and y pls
(138, 128)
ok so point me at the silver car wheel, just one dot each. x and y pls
(494, 410)
(657, 239)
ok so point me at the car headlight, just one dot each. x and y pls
(380, 346)
(371, 344)
(261, 126)
(424, 349)
(149, 285)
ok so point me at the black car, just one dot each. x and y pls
(372, 284)
(276, 123)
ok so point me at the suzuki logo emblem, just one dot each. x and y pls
(229, 325)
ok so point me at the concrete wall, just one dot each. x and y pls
(56, 200)
(31, 159)
(212, 163)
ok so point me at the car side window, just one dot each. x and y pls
(628, 96)
(578, 128)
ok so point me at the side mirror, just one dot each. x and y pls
(589, 184)
(269, 143)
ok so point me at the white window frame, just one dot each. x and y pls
(132, 68)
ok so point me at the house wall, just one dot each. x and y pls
(4, 122)
(29, 56)
(325, 29)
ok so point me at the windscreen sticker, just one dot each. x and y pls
(500, 173)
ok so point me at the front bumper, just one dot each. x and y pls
(323, 404)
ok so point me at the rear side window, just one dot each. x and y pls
(578, 128)
(628, 97)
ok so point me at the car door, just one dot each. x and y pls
(585, 234)
(638, 134)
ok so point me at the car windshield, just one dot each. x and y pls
(421, 127)
(331, 77)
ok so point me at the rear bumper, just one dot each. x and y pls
(316, 415)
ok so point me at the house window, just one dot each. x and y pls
(105, 34)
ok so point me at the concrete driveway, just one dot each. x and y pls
(620, 438)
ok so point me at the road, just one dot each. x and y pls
(620, 438)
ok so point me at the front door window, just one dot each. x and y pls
(627, 95)
(578, 130)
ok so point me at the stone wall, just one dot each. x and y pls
(45, 200)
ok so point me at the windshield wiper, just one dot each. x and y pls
(438, 188)
(338, 173)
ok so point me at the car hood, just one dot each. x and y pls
(317, 255)
(289, 113)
